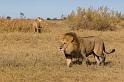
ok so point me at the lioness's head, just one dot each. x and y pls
(39, 19)
(69, 42)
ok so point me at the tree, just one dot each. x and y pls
(22, 15)
(8, 17)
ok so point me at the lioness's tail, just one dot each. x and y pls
(111, 51)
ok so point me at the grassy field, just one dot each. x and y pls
(32, 57)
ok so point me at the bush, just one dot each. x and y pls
(48, 18)
(94, 19)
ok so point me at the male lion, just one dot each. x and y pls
(81, 47)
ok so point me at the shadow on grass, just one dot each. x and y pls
(106, 63)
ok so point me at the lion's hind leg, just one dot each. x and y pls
(97, 60)
(102, 59)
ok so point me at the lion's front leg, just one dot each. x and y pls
(80, 58)
(68, 59)
(69, 62)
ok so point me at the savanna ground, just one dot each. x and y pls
(32, 57)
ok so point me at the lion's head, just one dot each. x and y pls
(70, 47)
(70, 42)
(39, 19)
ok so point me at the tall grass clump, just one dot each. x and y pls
(20, 25)
(100, 19)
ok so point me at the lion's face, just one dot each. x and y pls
(39, 19)
(66, 44)
(70, 47)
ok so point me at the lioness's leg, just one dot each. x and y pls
(39, 30)
(35, 29)
(69, 62)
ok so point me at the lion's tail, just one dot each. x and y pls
(111, 51)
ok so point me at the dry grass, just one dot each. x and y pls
(30, 57)
(101, 19)
(20, 25)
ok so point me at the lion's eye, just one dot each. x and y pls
(64, 43)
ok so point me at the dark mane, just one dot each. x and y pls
(71, 34)
(86, 37)
(74, 35)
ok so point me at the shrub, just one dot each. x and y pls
(48, 18)
(94, 19)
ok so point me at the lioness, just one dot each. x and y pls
(38, 24)
(82, 47)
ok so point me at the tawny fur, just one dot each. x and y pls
(77, 47)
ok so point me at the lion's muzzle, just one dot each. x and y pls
(63, 47)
